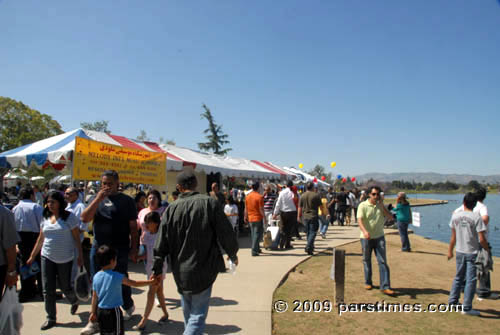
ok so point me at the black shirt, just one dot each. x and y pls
(341, 200)
(112, 220)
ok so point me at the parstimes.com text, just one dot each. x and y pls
(385, 307)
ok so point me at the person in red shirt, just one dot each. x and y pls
(254, 216)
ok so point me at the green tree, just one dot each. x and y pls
(166, 141)
(101, 126)
(214, 135)
(319, 171)
(142, 136)
(473, 185)
(20, 125)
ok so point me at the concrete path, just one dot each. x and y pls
(241, 303)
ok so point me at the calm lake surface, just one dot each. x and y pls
(435, 219)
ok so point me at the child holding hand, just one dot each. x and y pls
(148, 238)
(107, 296)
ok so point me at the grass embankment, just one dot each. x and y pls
(423, 276)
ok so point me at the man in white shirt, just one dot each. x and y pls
(28, 215)
(76, 206)
(287, 210)
(484, 283)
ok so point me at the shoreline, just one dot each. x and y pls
(417, 202)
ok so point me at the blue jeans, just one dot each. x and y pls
(377, 245)
(195, 309)
(311, 226)
(121, 266)
(466, 277)
(323, 225)
(256, 230)
(403, 233)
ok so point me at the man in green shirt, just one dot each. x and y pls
(371, 223)
(308, 209)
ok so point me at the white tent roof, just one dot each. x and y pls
(225, 165)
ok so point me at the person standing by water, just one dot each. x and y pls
(467, 232)
(371, 220)
(403, 219)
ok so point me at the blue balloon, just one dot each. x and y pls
(339, 176)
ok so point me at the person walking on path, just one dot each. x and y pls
(341, 203)
(308, 210)
(59, 236)
(191, 231)
(467, 232)
(8, 240)
(114, 218)
(76, 206)
(28, 216)
(217, 194)
(285, 207)
(254, 216)
(371, 215)
(324, 217)
(403, 219)
(331, 198)
(107, 292)
(269, 200)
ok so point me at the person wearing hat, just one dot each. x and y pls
(190, 232)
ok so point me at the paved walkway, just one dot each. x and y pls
(241, 303)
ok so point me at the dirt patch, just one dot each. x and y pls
(422, 277)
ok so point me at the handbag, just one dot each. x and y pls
(11, 313)
(82, 284)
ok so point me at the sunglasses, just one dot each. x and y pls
(375, 194)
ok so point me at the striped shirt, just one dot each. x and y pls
(269, 199)
(58, 244)
(28, 215)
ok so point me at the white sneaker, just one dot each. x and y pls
(471, 312)
(128, 313)
(90, 328)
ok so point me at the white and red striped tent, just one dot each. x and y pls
(57, 150)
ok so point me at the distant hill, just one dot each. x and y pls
(429, 177)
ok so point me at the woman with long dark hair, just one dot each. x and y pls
(59, 234)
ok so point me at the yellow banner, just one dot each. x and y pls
(91, 158)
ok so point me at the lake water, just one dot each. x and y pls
(435, 219)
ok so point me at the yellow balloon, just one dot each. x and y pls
(333, 164)
(301, 166)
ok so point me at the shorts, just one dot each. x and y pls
(110, 321)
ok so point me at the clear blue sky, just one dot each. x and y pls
(377, 86)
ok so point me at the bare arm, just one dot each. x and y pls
(93, 311)
(76, 237)
(10, 254)
(363, 229)
(36, 248)
(486, 219)
(482, 240)
(89, 212)
(137, 283)
(299, 214)
(453, 240)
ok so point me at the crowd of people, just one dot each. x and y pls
(189, 236)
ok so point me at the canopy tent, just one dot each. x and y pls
(57, 151)
(284, 174)
(306, 177)
(226, 166)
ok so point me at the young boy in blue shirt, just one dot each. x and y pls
(107, 295)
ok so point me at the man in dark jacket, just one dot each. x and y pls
(190, 233)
